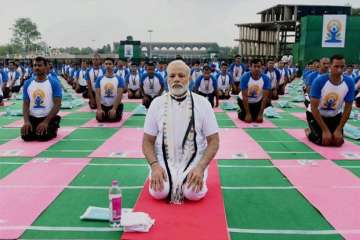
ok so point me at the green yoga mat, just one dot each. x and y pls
(287, 120)
(268, 209)
(135, 122)
(77, 119)
(6, 169)
(280, 145)
(7, 134)
(350, 165)
(130, 106)
(5, 120)
(66, 210)
(224, 121)
(80, 143)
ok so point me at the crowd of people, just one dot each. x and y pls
(330, 88)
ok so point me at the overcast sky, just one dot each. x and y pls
(94, 23)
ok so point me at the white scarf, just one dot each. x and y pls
(178, 168)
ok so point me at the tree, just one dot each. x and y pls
(355, 11)
(25, 34)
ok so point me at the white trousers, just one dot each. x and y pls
(189, 194)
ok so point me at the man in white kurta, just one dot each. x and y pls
(180, 139)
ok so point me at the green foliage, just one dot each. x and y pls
(25, 35)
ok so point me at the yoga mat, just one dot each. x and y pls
(18, 147)
(224, 121)
(300, 115)
(86, 108)
(93, 123)
(126, 142)
(20, 205)
(200, 220)
(241, 124)
(218, 109)
(322, 183)
(20, 123)
(347, 151)
(235, 143)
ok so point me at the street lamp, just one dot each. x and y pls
(150, 31)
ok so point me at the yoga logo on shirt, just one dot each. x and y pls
(254, 91)
(109, 90)
(38, 96)
(330, 101)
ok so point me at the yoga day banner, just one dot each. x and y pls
(334, 30)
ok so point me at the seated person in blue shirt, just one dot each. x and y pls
(224, 82)
(109, 90)
(322, 68)
(206, 85)
(331, 96)
(152, 85)
(42, 100)
(254, 96)
(274, 76)
(133, 83)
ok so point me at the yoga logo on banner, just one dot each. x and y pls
(334, 30)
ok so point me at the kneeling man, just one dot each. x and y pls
(109, 90)
(42, 100)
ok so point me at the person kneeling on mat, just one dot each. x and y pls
(109, 90)
(42, 100)
(326, 115)
(254, 96)
(152, 85)
(133, 83)
(224, 82)
(180, 139)
(206, 85)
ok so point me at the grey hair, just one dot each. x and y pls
(181, 62)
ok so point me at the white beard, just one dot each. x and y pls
(179, 91)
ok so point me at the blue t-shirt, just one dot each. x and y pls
(311, 77)
(332, 97)
(254, 88)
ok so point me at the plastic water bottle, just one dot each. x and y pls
(115, 201)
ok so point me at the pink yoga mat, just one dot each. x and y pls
(125, 143)
(18, 147)
(93, 123)
(322, 183)
(29, 190)
(300, 115)
(86, 108)
(241, 124)
(347, 151)
(235, 143)
(20, 123)
(218, 109)
(202, 220)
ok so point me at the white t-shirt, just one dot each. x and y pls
(81, 78)
(223, 82)
(40, 95)
(205, 124)
(152, 86)
(282, 76)
(133, 82)
(109, 88)
(93, 74)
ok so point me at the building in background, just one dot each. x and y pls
(280, 28)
